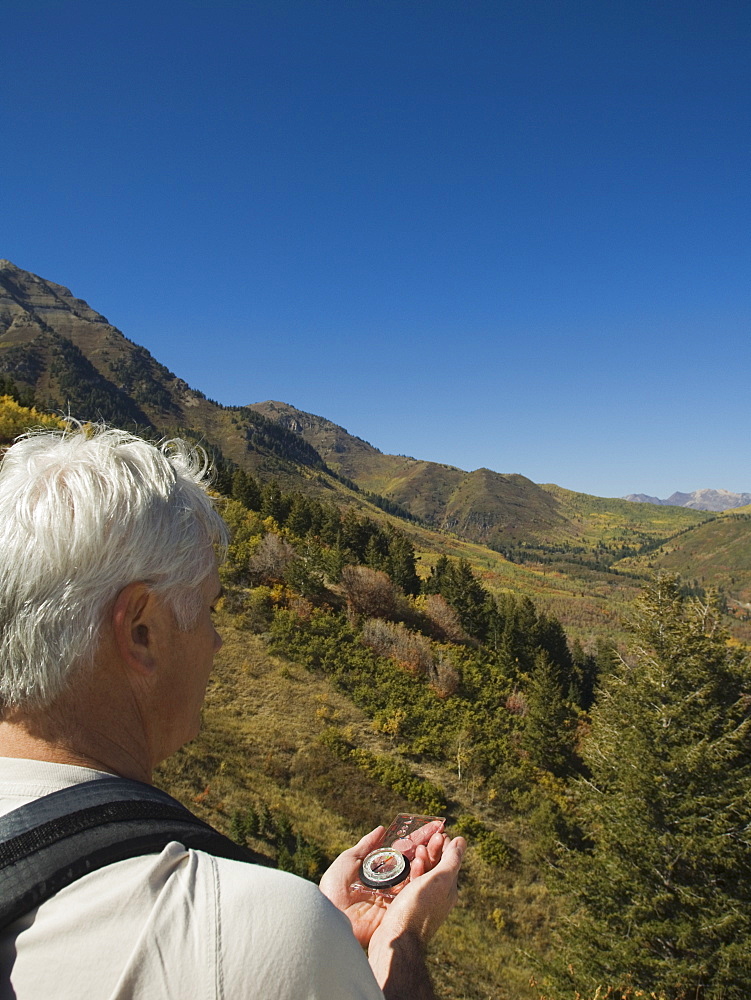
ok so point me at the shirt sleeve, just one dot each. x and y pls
(278, 937)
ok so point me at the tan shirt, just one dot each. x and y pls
(181, 925)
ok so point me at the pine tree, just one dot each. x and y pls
(550, 723)
(400, 564)
(661, 900)
(222, 477)
(274, 503)
(585, 669)
(464, 592)
(300, 517)
(437, 576)
(356, 533)
(246, 490)
(374, 555)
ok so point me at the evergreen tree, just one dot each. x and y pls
(661, 899)
(520, 623)
(301, 576)
(437, 576)
(400, 563)
(374, 555)
(274, 503)
(246, 490)
(223, 475)
(548, 634)
(328, 523)
(549, 724)
(300, 517)
(356, 533)
(465, 593)
(334, 560)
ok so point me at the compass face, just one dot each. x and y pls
(383, 868)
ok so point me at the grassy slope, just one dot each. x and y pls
(483, 506)
(618, 522)
(259, 744)
(714, 554)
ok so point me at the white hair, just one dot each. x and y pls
(83, 513)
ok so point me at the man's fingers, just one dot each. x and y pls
(407, 847)
(435, 847)
(418, 867)
(425, 832)
(453, 853)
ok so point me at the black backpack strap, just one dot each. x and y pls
(52, 841)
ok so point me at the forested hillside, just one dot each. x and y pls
(431, 695)
(353, 686)
(582, 558)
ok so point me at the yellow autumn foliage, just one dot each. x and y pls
(16, 419)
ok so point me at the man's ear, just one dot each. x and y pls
(133, 625)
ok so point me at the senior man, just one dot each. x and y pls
(108, 578)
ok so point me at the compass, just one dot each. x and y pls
(383, 868)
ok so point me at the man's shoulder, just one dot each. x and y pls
(242, 883)
(301, 943)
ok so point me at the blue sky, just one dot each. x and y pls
(501, 234)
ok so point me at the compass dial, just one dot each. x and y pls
(383, 868)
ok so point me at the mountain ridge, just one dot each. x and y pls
(563, 547)
(703, 499)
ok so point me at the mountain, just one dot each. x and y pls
(483, 505)
(507, 512)
(714, 500)
(645, 498)
(72, 359)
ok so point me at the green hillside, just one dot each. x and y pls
(374, 663)
(714, 554)
(508, 513)
(564, 549)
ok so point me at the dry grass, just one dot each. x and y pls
(259, 746)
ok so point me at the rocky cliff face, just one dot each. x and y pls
(74, 361)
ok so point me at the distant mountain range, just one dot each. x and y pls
(715, 500)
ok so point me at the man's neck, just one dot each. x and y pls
(22, 739)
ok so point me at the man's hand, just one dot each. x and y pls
(424, 902)
(365, 908)
(397, 945)
(365, 912)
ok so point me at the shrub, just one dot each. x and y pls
(491, 847)
(369, 592)
(270, 559)
(443, 618)
(409, 649)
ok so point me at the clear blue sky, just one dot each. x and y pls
(504, 234)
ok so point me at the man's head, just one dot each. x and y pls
(83, 514)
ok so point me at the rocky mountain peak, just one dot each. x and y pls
(705, 499)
